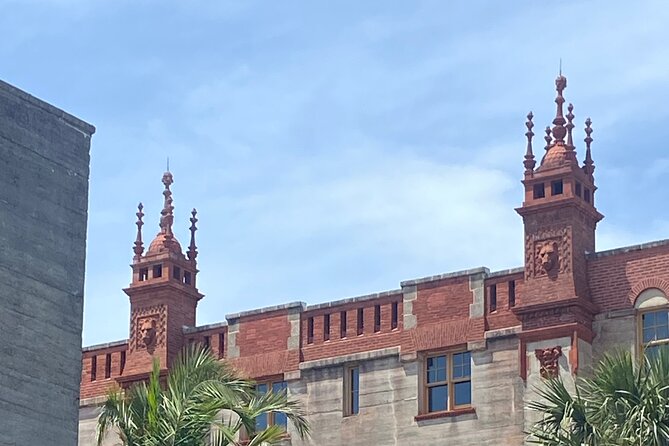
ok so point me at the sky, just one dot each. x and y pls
(336, 148)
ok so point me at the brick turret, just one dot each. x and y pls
(163, 293)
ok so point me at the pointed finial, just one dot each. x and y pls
(166, 215)
(570, 126)
(560, 72)
(558, 123)
(168, 164)
(548, 138)
(529, 162)
(588, 164)
(192, 249)
(139, 245)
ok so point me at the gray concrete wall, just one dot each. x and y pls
(44, 167)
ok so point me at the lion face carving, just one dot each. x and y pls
(548, 256)
(148, 332)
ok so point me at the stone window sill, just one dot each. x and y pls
(444, 414)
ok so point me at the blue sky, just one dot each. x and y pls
(334, 149)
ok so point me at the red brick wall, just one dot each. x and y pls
(98, 387)
(443, 300)
(503, 317)
(263, 333)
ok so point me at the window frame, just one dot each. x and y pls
(451, 407)
(271, 420)
(347, 409)
(641, 345)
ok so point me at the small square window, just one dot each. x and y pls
(157, 271)
(556, 187)
(143, 274)
(539, 191)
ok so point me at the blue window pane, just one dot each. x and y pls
(437, 398)
(441, 375)
(648, 319)
(280, 419)
(355, 379)
(355, 402)
(648, 335)
(441, 362)
(662, 332)
(279, 387)
(261, 422)
(661, 318)
(463, 393)
(261, 388)
(431, 376)
(651, 352)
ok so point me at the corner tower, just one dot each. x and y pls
(163, 292)
(560, 218)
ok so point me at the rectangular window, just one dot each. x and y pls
(512, 293)
(361, 322)
(94, 368)
(539, 191)
(310, 330)
(447, 382)
(187, 278)
(271, 418)
(143, 274)
(351, 391)
(394, 316)
(586, 195)
(157, 271)
(342, 324)
(122, 363)
(654, 330)
(221, 345)
(377, 318)
(207, 341)
(556, 187)
(326, 327)
(577, 189)
(108, 365)
(492, 298)
(176, 273)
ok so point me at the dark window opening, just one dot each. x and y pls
(176, 273)
(578, 189)
(539, 191)
(326, 327)
(394, 316)
(352, 391)
(157, 271)
(310, 330)
(493, 298)
(556, 187)
(361, 322)
(108, 365)
(512, 293)
(586, 195)
(94, 368)
(122, 363)
(377, 318)
(143, 274)
(221, 345)
(187, 277)
(207, 341)
(342, 324)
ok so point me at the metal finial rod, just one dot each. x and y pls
(529, 162)
(192, 249)
(139, 245)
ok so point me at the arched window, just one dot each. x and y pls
(653, 322)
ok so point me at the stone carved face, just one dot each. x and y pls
(148, 332)
(548, 256)
(548, 361)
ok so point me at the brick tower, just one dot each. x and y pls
(559, 217)
(163, 293)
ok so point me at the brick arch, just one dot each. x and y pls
(645, 284)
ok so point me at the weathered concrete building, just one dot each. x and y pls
(452, 357)
(44, 164)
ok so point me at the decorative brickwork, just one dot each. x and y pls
(548, 361)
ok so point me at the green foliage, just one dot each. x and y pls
(624, 403)
(201, 402)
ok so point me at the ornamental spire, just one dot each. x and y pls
(139, 245)
(588, 164)
(570, 126)
(166, 215)
(559, 130)
(529, 162)
(192, 249)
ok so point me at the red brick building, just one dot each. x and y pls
(451, 356)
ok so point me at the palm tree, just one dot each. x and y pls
(624, 403)
(201, 402)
